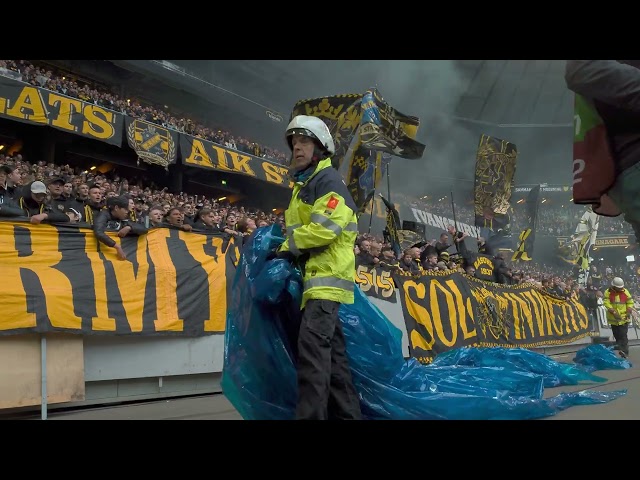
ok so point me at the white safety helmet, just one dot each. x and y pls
(617, 283)
(312, 127)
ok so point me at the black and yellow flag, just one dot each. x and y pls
(528, 234)
(363, 173)
(341, 113)
(495, 171)
(393, 226)
(385, 129)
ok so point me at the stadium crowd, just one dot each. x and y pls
(553, 219)
(72, 195)
(45, 77)
(80, 194)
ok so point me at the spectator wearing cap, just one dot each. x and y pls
(389, 260)
(36, 209)
(139, 209)
(57, 200)
(443, 260)
(116, 218)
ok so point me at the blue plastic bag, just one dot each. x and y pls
(259, 376)
(553, 372)
(599, 357)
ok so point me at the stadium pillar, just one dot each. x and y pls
(176, 179)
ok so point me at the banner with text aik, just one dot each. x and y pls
(451, 310)
(197, 152)
(58, 278)
(37, 106)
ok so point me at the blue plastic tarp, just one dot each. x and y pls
(259, 376)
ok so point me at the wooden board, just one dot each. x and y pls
(20, 370)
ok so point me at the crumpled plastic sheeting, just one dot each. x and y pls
(554, 373)
(259, 377)
(600, 357)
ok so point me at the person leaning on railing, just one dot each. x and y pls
(34, 206)
(115, 218)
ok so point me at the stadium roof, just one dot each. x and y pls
(523, 101)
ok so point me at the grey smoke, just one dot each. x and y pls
(457, 101)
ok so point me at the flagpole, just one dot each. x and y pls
(373, 197)
(453, 207)
(389, 182)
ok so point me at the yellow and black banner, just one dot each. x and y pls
(198, 152)
(445, 310)
(38, 106)
(485, 268)
(376, 282)
(58, 278)
(393, 226)
(528, 235)
(342, 115)
(385, 129)
(153, 143)
(363, 174)
(495, 171)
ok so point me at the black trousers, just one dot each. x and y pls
(620, 334)
(325, 386)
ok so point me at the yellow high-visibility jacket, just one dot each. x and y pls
(322, 227)
(618, 305)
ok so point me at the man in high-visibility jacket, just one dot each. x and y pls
(619, 303)
(321, 228)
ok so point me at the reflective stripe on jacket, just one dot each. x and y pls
(321, 232)
(618, 305)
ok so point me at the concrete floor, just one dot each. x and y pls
(217, 407)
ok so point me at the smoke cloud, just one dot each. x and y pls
(456, 102)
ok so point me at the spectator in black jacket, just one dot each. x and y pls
(58, 201)
(500, 269)
(93, 204)
(156, 217)
(205, 221)
(10, 181)
(116, 218)
(365, 257)
(35, 208)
